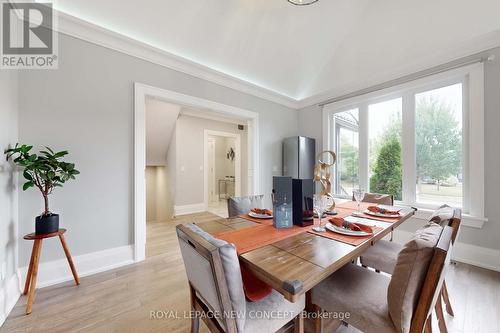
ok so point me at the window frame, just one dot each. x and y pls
(472, 79)
(337, 126)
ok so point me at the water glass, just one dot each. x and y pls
(359, 195)
(320, 203)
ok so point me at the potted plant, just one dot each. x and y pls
(44, 171)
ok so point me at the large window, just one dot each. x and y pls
(347, 148)
(422, 142)
(438, 140)
(384, 139)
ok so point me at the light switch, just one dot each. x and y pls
(275, 168)
(183, 168)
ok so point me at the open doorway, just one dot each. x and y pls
(223, 169)
(187, 178)
(161, 119)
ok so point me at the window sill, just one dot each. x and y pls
(425, 214)
(467, 220)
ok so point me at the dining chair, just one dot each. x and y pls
(401, 303)
(382, 255)
(242, 205)
(376, 198)
(216, 289)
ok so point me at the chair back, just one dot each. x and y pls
(380, 199)
(242, 205)
(409, 275)
(214, 276)
(446, 215)
(433, 281)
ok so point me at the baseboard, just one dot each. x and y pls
(189, 209)
(57, 271)
(9, 294)
(466, 253)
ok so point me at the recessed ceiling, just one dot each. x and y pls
(297, 51)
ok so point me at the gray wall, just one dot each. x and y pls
(190, 133)
(86, 106)
(310, 117)
(8, 182)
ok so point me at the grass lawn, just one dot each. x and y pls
(446, 194)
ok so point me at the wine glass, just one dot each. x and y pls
(359, 195)
(320, 203)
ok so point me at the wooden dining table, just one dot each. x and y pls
(294, 265)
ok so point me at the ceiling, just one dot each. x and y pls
(299, 51)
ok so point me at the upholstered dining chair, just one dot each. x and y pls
(382, 255)
(216, 287)
(402, 303)
(376, 198)
(242, 205)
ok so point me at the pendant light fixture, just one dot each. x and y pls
(302, 2)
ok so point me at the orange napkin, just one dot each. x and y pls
(262, 211)
(376, 209)
(340, 222)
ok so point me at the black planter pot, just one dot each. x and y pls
(46, 224)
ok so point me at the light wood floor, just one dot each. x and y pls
(121, 300)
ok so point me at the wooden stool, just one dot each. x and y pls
(30, 284)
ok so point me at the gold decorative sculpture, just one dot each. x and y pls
(322, 174)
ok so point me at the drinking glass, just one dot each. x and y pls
(359, 195)
(320, 203)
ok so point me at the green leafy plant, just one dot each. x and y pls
(387, 176)
(44, 171)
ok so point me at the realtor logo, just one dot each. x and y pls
(28, 35)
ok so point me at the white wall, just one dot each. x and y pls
(171, 175)
(158, 201)
(151, 194)
(9, 290)
(90, 98)
(190, 133)
(160, 123)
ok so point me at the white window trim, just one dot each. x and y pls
(472, 79)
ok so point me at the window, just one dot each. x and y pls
(416, 141)
(438, 140)
(347, 149)
(384, 139)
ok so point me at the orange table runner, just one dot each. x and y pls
(251, 238)
(254, 237)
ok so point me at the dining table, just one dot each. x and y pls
(293, 265)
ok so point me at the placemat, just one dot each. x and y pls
(254, 237)
(351, 240)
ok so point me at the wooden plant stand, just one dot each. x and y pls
(30, 285)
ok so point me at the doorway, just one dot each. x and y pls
(249, 118)
(223, 170)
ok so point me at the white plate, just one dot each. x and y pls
(260, 216)
(345, 231)
(367, 212)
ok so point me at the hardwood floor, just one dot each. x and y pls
(122, 300)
